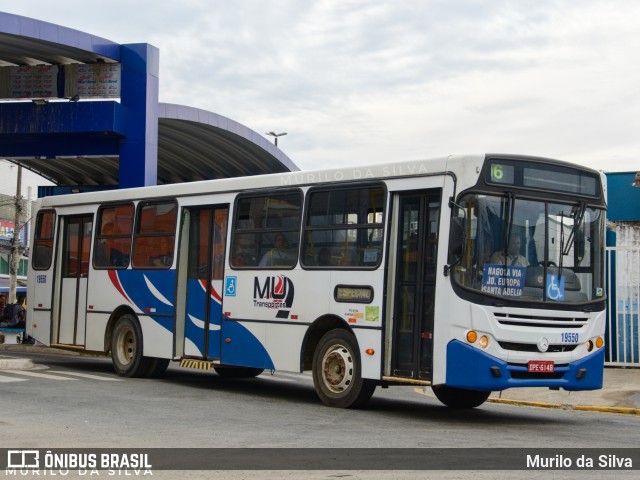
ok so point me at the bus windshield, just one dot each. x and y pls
(528, 250)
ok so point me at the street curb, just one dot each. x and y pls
(8, 363)
(556, 406)
(627, 411)
(37, 349)
(526, 403)
(583, 408)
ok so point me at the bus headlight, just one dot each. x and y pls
(472, 337)
(598, 342)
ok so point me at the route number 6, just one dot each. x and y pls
(497, 172)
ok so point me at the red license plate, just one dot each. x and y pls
(540, 366)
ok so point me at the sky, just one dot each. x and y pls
(355, 82)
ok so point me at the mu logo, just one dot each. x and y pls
(275, 292)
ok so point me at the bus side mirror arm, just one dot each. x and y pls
(454, 204)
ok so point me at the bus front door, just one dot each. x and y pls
(206, 228)
(74, 266)
(415, 276)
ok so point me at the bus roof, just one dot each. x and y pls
(458, 165)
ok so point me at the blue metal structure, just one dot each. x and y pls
(129, 129)
(622, 269)
(623, 199)
(139, 148)
(83, 145)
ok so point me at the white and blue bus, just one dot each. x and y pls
(469, 274)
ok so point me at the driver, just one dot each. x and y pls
(513, 257)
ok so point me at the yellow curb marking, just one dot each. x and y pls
(584, 408)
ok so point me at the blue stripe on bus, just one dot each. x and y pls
(243, 348)
(197, 299)
(470, 368)
(152, 292)
(194, 324)
(154, 289)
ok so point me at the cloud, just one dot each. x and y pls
(359, 81)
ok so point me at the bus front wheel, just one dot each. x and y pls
(337, 372)
(126, 349)
(459, 397)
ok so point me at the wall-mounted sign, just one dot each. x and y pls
(40, 81)
(90, 80)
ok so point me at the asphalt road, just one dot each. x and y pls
(69, 401)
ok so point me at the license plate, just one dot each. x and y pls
(541, 366)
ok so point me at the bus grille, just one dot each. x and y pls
(529, 347)
(540, 321)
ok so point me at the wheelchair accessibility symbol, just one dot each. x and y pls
(555, 287)
(230, 286)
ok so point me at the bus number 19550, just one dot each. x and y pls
(569, 337)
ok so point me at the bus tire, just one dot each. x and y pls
(126, 348)
(337, 371)
(157, 367)
(454, 397)
(238, 372)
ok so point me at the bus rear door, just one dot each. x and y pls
(204, 234)
(70, 313)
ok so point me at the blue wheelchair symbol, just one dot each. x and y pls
(230, 286)
(555, 287)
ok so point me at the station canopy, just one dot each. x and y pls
(193, 144)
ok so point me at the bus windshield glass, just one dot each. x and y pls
(526, 250)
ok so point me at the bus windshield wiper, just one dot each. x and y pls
(507, 236)
(577, 221)
(565, 248)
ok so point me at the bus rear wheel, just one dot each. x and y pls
(126, 349)
(337, 372)
(157, 367)
(459, 397)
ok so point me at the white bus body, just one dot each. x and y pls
(378, 279)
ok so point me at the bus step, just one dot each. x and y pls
(405, 380)
(196, 364)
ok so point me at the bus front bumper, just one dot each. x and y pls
(472, 369)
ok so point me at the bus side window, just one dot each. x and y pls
(266, 230)
(154, 239)
(43, 241)
(348, 223)
(112, 247)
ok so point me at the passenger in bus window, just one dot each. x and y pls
(281, 255)
(513, 257)
(165, 259)
(118, 259)
(162, 261)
